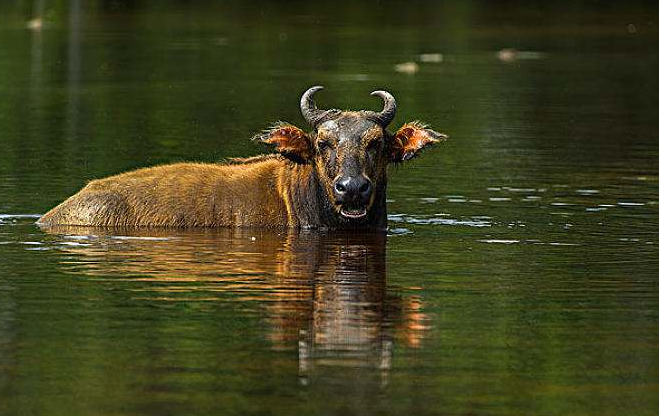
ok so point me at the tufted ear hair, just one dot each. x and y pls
(289, 140)
(410, 139)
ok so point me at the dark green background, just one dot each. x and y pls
(520, 271)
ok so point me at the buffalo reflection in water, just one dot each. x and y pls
(325, 294)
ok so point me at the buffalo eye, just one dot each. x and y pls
(324, 145)
(372, 147)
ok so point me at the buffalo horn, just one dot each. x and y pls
(308, 107)
(387, 114)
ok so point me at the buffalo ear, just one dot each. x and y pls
(289, 140)
(410, 139)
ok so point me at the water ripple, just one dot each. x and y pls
(440, 219)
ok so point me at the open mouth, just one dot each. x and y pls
(353, 213)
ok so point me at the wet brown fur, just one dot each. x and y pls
(257, 191)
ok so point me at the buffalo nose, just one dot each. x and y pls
(353, 188)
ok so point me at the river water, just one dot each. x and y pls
(519, 274)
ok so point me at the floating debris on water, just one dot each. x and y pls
(409, 68)
(34, 24)
(431, 57)
(502, 199)
(507, 55)
(512, 54)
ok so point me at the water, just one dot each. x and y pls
(519, 274)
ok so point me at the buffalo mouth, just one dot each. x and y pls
(352, 213)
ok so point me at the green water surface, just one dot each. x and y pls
(520, 272)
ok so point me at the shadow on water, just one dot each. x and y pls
(324, 295)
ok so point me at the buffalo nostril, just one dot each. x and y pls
(365, 187)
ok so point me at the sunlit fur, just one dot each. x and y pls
(290, 189)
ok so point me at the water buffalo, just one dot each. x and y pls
(332, 177)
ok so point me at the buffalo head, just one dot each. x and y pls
(350, 150)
